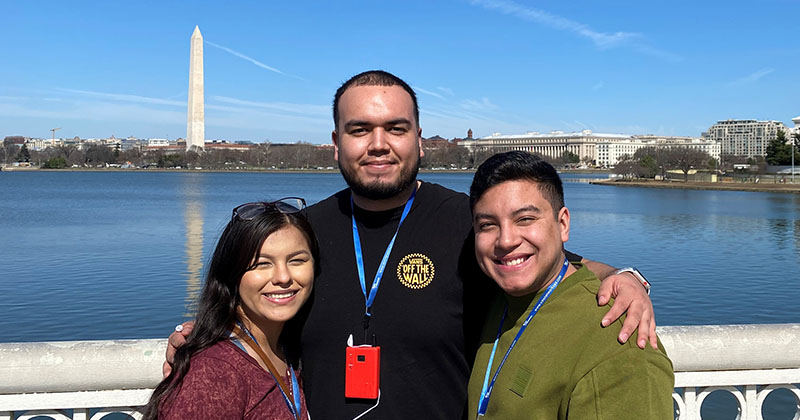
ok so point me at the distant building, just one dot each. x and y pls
(112, 143)
(553, 144)
(711, 147)
(17, 140)
(610, 153)
(435, 142)
(129, 143)
(601, 148)
(41, 144)
(223, 145)
(157, 143)
(75, 141)
(744, 137)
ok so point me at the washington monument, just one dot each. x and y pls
(195, 125)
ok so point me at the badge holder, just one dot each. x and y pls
(363, 367)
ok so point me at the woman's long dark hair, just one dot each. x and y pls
(236, 250)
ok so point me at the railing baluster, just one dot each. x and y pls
(690, 397)
(681, 403)
(81, 414)
(752, 409)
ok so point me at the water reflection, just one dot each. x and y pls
(779, 228)
(797, 237)
(192, 191)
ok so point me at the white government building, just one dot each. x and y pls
(604, 149)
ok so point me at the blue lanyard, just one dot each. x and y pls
(486, 391)
(360, 259)
(293, 408)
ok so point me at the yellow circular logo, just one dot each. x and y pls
(415, 271)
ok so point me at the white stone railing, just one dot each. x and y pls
(89, 378)
(749, 361)
(85, 380)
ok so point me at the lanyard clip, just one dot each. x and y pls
(365, 322)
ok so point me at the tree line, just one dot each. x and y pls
(648, 162)
(645, 163)
(779, 149)
(299, 155)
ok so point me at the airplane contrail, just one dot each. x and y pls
(244, 57)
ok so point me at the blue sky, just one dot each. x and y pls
(634, 67)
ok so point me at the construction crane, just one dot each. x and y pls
(53, 130)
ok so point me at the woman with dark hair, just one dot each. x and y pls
(233, 365)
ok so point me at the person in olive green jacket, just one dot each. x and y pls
(542, 355)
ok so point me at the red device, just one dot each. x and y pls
(363, 372)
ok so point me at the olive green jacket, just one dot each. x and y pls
(565, 366)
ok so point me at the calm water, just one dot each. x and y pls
(120, 255)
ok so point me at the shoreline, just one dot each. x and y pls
(693, 185)
(254, 170)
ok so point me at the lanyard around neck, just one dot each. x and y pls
(360, 258)
(486, 391)
(294, 406)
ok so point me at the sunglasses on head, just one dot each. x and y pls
(286, 205)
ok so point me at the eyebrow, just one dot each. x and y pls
(398, 121)
(362, 123)
(358, 123)
(516, 212)
(293, 254)
(529, 207)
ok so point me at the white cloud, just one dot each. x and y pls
(752, 77)
(427, 92)
(123, 97)
(182, 95)
(446, 90)
(138, 115)
(602, 40)
(304, 109)
(482, 105)
(94, 111)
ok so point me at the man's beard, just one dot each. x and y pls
(378, 190)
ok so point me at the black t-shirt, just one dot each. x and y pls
(427, 339)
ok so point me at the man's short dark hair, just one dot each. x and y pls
(373, 78)
(518, 166)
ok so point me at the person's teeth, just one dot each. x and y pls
(515, 261)
(280, 295)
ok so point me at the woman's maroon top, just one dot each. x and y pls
(224, 382)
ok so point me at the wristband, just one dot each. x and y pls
(638, 275)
